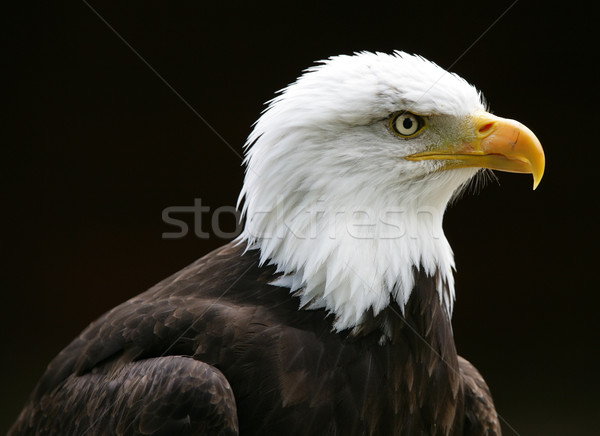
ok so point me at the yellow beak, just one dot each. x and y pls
(495, 143)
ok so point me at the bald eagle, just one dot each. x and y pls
(331, 313)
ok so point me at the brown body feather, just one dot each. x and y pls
(216, 350)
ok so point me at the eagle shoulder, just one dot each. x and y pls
(481, 418)
(173, 395)
(129, 350)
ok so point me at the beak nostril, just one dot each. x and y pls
(486, 127)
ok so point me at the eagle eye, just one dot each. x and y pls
(406, 124)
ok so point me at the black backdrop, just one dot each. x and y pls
(95, 146)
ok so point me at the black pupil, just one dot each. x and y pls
(407, 123)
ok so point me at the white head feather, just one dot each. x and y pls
(328, 196)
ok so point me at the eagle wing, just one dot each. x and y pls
(481, 418)
(136, 371)
(181, 359)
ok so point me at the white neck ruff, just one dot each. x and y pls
(354, 251)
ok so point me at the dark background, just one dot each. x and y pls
(95, 146)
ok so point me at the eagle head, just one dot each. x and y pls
(349, 171)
